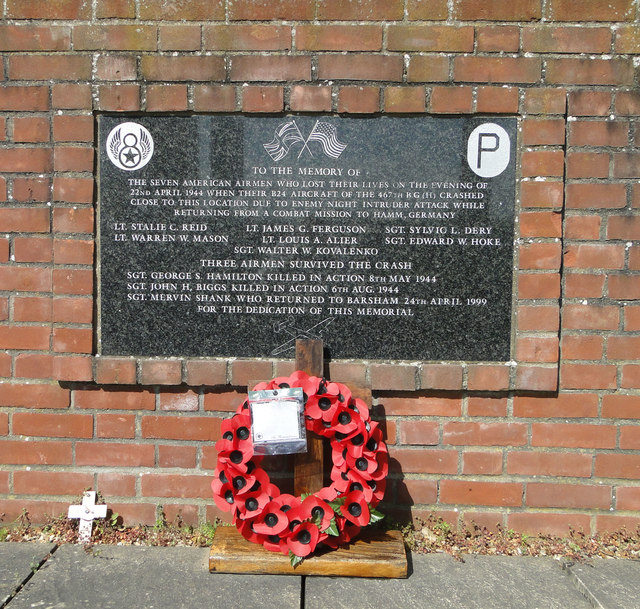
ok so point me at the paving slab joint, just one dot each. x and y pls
(34, 568)
(581, 586)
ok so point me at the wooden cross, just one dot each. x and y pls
(86, 513)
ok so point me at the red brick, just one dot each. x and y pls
(587, 165)
(628, 103)
(567, 10)
(192, 68)
(611, 465)
(135, 513)
(630, 376)
(623, 347)
(360, 67)
(542, 194)
(533, 463)
(424, 462)
(55, 9)
(33, 365)
(393, 377)
(49, 67)
(72, 281)
(543, 132)
(33, 249)
(582, 227)
(181, 514)
(617, 406)
(599, 133)
(32, 189)
(73, 368)
(626, 165)
(263, 10)
(482, 463)
(590, 317)
(430, 38)
(460, 433)
(417, 491)
(545, 101)
(179, 400)
(72, 251)
(270, 68)
(496, 69)
(569, 435)
(115, 426)
(434, 10)
(422, 406)
(179, 37)
(598, 256)
(538, 349)
(497, 99)
(31, 129)
(116, 67)
(496, 38)
(630, 437)
(538, 285)
(247, 37)
(428, 68)
(404, 99)
(425, 433)
(116, 485)
(547, 495)
(25, 279)
(161, 372)
(71, 96)
(304, 98)
(115, 37)
(596, 196)
(214, 98)
(32, 308)
(53, 425)
(112, 454)
(176, 456)
(540, 224)
(360, 10)
(51, 483)
(24, 98)
(338, 38)
(244, 372)
(34, 38)
(205, 372)
(205, 429)
(538, 318)
(115, 371)
(24, 337)
(262, 99)
(165, 98)
(4, 249)
(624, 287)
(223, 400)
(119, 97)
(481, 493)
(72, 159)
(26, 160)
(359, 100)
(181, 10)
(114, 398)
(543, 163)
(628, 498)
(628, 39)
(73, 128)
(441, 376)
(485, 377)
(35, 452)
(550, 39)
(623, 227)
(536, 378)
(587, 376)
(540, 256)
(109, 9)
(545, 523)
(73, 310)
(590, 71)
(583, 285)
(174, 485)
(487, 407)
(497, 10)
(582, 347)
(453, 100)
(585, 102)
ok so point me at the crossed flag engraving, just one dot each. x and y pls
(287, 134)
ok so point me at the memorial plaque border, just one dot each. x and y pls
(535, 328)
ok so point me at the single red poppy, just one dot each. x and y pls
(303, 539)
(272, 520)
(317, 509)
(355, 508)
(250, 505)
(223, 495)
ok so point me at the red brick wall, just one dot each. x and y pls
(549, 441)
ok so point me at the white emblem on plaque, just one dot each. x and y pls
(129, 146)
(287, 134)
(488, 150)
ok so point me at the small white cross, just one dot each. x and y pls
(87, 512)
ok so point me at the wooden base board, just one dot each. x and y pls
(372, 554)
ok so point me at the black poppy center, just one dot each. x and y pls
(227, 435)
(358, 440)
(274, 538)
(324, 404)
(223, 478)
(317, 512)
(361, 464)
(285, 508)
(239, 483)
(356, 486)
(372, 445)
(242, 433)
(340, 436)
(228, 497)
(284, 385)
(252, 504)
(304, 537)
(293, 524)
(271, 520)
(344, 418)
(355, 509)
(236, 457)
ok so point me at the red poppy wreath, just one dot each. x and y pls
(332, 516)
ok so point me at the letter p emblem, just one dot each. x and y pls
(488, 150)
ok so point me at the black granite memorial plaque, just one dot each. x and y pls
(386, 237)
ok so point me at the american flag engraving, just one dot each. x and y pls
(288, 134)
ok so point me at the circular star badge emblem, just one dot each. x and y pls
(129, 146)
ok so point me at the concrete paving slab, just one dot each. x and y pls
(17, 562)
(611, 584)
(440, 582)
(148, 578)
